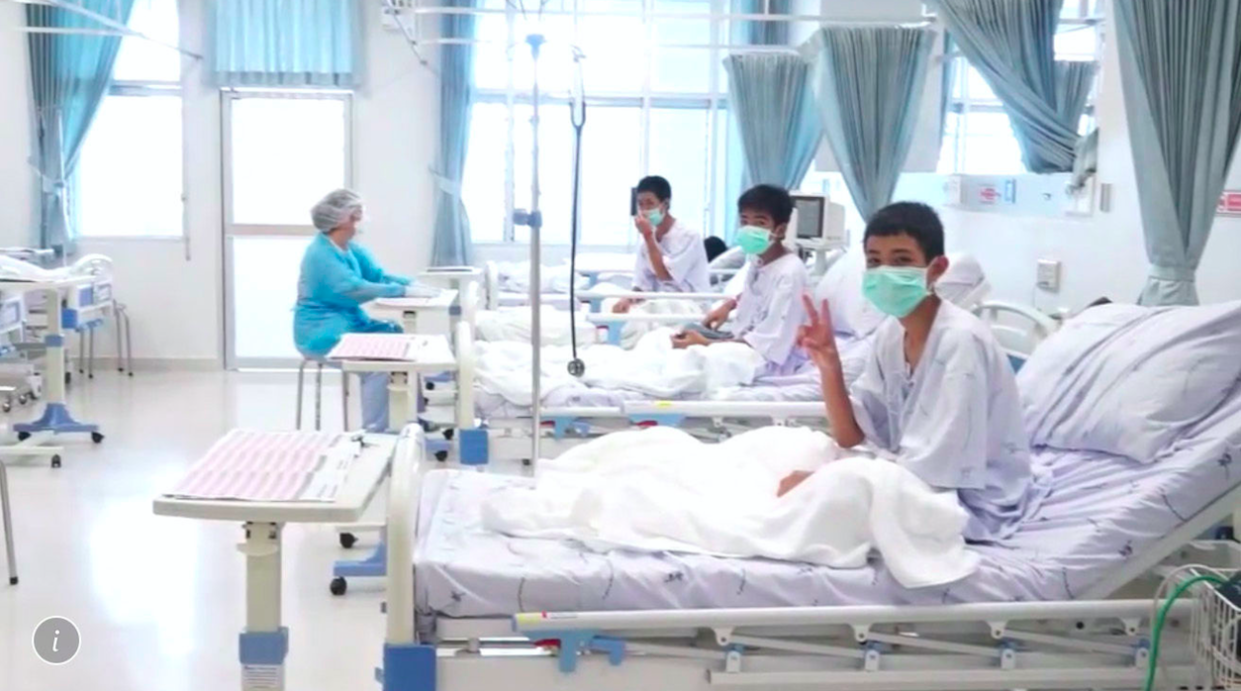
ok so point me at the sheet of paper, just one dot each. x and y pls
(248, 465)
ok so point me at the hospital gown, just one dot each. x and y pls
(769, 311)
(334, 285)
(955, 421)
(684, 257)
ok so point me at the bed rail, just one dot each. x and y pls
(471, 296)
(404, 494)
(1019, 340)
(491, 285)
(466, 364)
(783, 410)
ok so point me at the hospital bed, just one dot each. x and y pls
(1045, 609)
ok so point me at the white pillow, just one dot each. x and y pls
(1130, 380)
(841, 286)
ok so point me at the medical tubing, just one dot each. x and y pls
(573, 229)
(1157, 625)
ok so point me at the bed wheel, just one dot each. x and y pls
(96, 437)
(441, 455)
(525, 463)
(430, 386)
(22, 399)
(23, 436)
(348, 540)
(338, 586)
(56, 461)
(448, 434)
(7, 406)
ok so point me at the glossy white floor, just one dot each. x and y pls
(159, 601)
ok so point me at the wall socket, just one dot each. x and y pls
(1048, 277)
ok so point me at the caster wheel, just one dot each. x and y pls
(55, 461)
(441, 455)
(426, 426)
(526, 462)
(448, 433)
(6, 407)
(23, 436)
(22, 400)
(68, 378)
(13, 580)
(131, 373)
(430, 386)
(348, 540)
(96, 437)
(34, 396)
(338, 586)
(90, 376)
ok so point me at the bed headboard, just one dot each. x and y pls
(1018, 328)
(491, 286)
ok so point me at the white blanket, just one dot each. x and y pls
(515, 324)
(662, 490)
(652, 368)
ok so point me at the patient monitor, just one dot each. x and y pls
(819, 227)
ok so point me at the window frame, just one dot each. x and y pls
(142, 88)
(713, 101)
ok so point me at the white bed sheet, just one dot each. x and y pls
(1102, 510)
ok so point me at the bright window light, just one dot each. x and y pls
(129, 174)
(139, 60)
(286, 154)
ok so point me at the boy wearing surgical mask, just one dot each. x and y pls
(937, 393)
(768, 311)
(671, 258)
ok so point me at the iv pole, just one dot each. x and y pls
(535, 222)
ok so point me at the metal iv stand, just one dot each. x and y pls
(534, 220)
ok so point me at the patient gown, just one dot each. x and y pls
(955, 421)
(684, 257)
(769, 310)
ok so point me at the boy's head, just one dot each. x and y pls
(714, 247)
(767, 207)
(654, 193)
(904, 245)
(906, 234)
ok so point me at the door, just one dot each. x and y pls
(282, 152)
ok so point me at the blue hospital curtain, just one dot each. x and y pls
(452, 245)
(69, 76)
(286, 43)
(756, 32)
(1012, 45)
(868, 81)
(771, 101)
(1180, 69)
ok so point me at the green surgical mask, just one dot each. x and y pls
(655, 216)
(753, 240)
(895, 290)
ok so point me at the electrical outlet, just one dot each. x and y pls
(1048, 277)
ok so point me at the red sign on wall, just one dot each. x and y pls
(988, 194)
(1229, 203)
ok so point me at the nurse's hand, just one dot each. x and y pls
(622, 306)
(792, 480)
(644, 226)
(817, 337)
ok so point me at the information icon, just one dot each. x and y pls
(56, 640)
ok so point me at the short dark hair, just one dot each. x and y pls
(714, 247)
(772, 200)
(915, 219)
(657, 186)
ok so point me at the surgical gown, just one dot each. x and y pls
(685, 257)
(334, 285)
(769, 311)
(955, 421)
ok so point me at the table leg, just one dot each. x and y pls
(5, 511)
(264, 643)
(56, 417)
(409, 322)
(398, 400)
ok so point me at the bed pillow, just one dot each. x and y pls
(841, 286)
(1130, 380)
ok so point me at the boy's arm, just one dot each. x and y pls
(652, 249)
(819, 342)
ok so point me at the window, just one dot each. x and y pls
(978, 138)
(657, 105)
(128, 180)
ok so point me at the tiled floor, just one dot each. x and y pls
(159, 601)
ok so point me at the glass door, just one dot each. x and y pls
(282, 152)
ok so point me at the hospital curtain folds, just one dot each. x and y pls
(286, 43)
(868, 82)
(774, 109)
(1180, 70)
(453, 246)
(1012, 45)
(756, 32)
(69, 76)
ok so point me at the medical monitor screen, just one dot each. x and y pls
(810, 210)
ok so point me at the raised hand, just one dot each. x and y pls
(643, 225)
(817, 337)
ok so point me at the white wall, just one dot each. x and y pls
(1102, 254)
(17, 192)
(173, 289)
